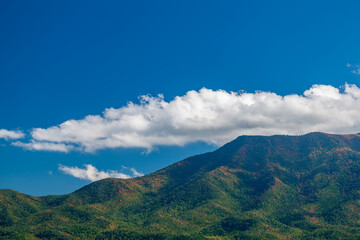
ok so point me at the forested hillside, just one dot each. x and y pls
(255, 187)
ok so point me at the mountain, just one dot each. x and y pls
(255, 187)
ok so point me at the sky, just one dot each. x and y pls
(94, 89)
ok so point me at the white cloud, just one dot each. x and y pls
(355, 68)
(214, 117)
(91, 173)
(7, 134)
(134, 172)
(44, 146)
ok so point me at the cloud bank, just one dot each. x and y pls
(214, 117)
(89, 172)
(7, 134)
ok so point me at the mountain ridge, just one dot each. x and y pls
(268, 187)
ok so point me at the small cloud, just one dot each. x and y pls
(8, 135)
(355, 68)
(136, 173)
(44, 146)
(133, 171)
(50, 172)
(89, 172)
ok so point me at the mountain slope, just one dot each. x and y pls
(255, 187)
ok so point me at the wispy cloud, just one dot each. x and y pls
(355, 68)
(214, 117)
(7, 134)
(44, 146)
(89, 172)
(134, 172)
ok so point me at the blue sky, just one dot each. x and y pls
(67, 60)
